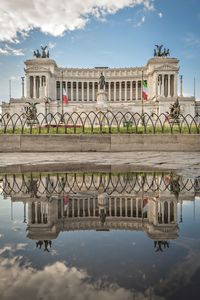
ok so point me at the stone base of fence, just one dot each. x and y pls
(99, 143)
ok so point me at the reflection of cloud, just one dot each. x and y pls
(20, 16)
(1, 235)
(53, 282)
(12, 249)
(16, 228)
(56, 281)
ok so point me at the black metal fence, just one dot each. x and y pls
(98, 122)
(36, 185)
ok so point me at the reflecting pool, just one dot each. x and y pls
(81, 235)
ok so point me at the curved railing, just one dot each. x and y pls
(63, 183)
(98, 122)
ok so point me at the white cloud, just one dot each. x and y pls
(51, 45)
(7, 50)
(18, 17)
(160, 15)
(141, 22)
(56, 281)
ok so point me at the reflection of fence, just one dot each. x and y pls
(97, 122)
(56, 184)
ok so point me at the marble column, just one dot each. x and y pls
(136, 90)
(168, 80)
(82, 90)
(47, 93)
(72, 91)
(131, 207)
(175, 86)
(162, 86)
(109, 90)
(66, 88)
(93, 91)
(126, 207)
(168, 203)
(28, 85)
(61, 92)
(114, 91)
(77, 91)
(120, 91)
(88, 91)
(39, 86)
(162, 209)
(131, 90)
(94, 207)
(136, 207)
(34, 86)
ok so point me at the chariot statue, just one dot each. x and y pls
(160, 52)
(43, 54)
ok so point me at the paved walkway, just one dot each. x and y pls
(187, 164)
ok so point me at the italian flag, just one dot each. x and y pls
(65, 97)
(144, 90)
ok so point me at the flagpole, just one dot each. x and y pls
(62, 94)
(142, 100)
(194, 87)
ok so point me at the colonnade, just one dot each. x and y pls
(166, 85)
(39, 212)
(117, 207)
(87, 91)
(128, 207)
(166, 212)
(37, 87)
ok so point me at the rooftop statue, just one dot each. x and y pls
(102, 81)
(159, 52)
(44, 53)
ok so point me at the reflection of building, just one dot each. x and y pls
(70, 201)
(46, 219)
(44, 81)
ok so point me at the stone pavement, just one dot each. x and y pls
(187, 164)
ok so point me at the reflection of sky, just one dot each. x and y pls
(124, 258)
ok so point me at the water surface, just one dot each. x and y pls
(99, 236)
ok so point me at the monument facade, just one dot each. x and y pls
(102, 88)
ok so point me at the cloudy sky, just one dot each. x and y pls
(89, 33)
